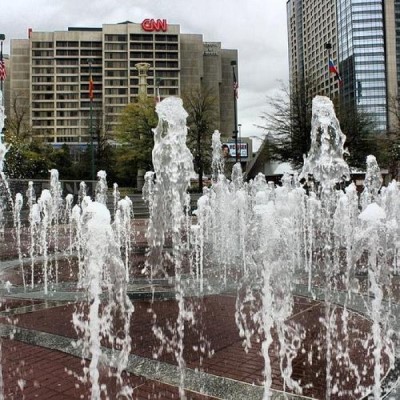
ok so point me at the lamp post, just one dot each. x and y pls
(92, 166)
(158, 84)
(328, 46)
(235, 129)
(240, 142)
(2, 38)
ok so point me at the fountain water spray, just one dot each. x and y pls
(217, 161)
(173, 168)
(292, 238)
(266, 243)
(116, 197)
(45, 204)
(56, 209)
(123, 230)
(33, 220)
(19, 201)
(101, 187)
(325, 159)
(106, 313)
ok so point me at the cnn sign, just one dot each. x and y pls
(154, 25)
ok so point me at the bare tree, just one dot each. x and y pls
(17, 124)
(102, 136)
(288, 124)
(201, 105)
(393, 137)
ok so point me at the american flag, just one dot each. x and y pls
(3, 73)
(91, 88)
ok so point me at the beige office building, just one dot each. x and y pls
(365, 40)
(49, 74)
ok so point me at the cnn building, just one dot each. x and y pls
(49, 74)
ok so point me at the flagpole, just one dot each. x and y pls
(235, 131)
(92, 167)
(240, 142)
(328, 46)
(2, 77)
(2, 38)
(158, 82)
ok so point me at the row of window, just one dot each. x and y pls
(156, 55)
(70, 70)
(63, 53)
(45, 83)
(112, 44)
(66, 44)
(150, 37)
(108, 38)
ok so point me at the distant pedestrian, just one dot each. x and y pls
(226, 163)
(225, 152)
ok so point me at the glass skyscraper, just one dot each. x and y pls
(397, 30)
(365, 45)
(361, 49)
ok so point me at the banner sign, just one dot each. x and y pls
(243, 149)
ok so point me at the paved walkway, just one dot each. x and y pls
(39, 360)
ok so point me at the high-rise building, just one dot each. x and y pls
(50, 71)
(311, 25)
(397, 40)
(360, 38)
(392, 48)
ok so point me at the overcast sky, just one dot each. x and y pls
(257, 28)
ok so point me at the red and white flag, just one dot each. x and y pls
(3, 73)
(91, 88)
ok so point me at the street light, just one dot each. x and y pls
(158, 84)
(235, 129)
(240, 142)
(92, 166)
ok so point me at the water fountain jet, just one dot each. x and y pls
(300, 263)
